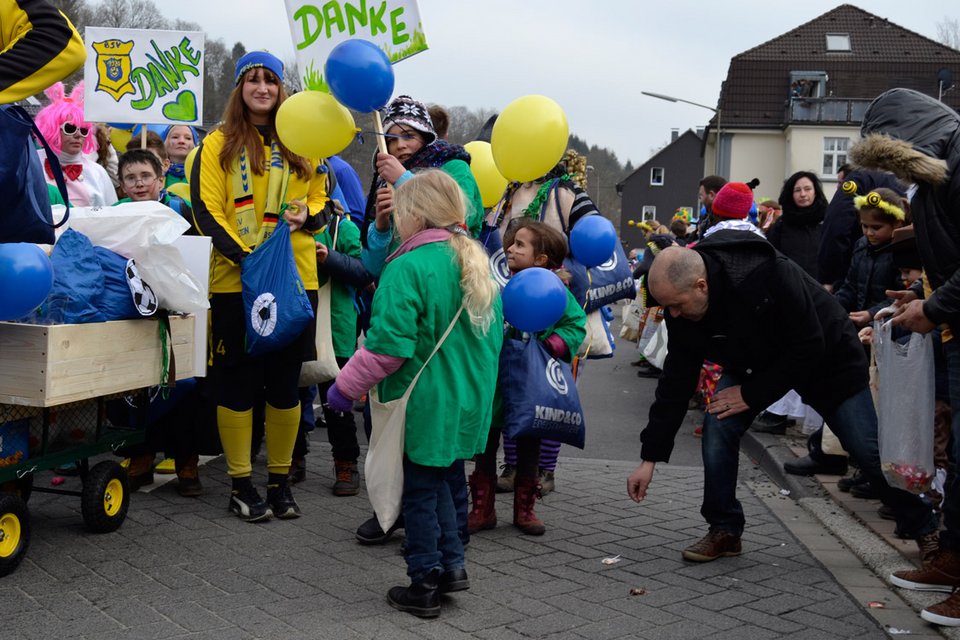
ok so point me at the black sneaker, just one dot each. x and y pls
(371, 533)
(773, 423)
(281, 501)
(865, 491)
(248, 505)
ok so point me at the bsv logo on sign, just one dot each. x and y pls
(555, 377)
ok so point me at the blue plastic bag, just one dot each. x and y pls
(539, 394)
(276, 306)
(604, 284)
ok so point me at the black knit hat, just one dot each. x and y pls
(407, 112)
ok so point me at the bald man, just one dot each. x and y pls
(734, 300)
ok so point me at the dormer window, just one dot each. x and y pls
(838, 42)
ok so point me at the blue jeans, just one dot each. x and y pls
(950, 536)
(430, 519)
(854, 421)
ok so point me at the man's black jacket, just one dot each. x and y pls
(767, 322)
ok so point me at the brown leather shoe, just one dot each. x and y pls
(942, 573)
(715, 544)
(946, 613)
(188, 476)
(348, 478)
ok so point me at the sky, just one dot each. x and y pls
(593, 58)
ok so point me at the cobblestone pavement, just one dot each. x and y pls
(186, 568)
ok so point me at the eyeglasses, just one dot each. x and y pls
(131, 181)
(70, 129)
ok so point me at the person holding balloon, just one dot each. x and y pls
(245, 181)
(412, 144)
(434, 342)
(529, 244)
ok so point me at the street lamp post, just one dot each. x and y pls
(716, 155)
(597, 173)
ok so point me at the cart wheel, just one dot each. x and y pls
(14, 532)
(105, 497)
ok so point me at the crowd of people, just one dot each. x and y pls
(767, 309)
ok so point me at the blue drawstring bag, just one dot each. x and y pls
(539, 394)
(603, 284)
(27, 216)
(275, 304)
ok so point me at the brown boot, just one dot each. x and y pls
(483, 514)
(140, 471)
(188, 476)
(715, 544)
(524, 496)
(941, 573)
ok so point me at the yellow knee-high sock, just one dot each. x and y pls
(280, 429)
(236, 436)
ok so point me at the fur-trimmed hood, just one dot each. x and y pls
(910, 134)
(881, 152)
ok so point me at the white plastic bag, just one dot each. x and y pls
(655, 351)
(144, 231)
(630, 330)
(905, 411)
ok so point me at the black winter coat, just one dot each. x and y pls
(871, 273)
(841, 224)
(796, 234)
(768, 323)
(922, 145)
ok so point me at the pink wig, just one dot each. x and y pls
(63, 108)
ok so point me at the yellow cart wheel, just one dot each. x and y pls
(14, 532)
(105, 497)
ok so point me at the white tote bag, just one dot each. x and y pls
(325, 367)
(655, 351)
(383, 467)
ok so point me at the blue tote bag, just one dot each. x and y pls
(539, 395)
(275, 304)
(23, 189)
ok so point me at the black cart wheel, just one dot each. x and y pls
(14, 532)
(105, 497)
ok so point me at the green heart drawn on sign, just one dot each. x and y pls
(184, 108)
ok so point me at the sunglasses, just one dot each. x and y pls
(70, 129)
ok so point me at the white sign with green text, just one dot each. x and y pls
(143, 76)
(317, 27)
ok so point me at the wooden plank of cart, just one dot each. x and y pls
(55, 381)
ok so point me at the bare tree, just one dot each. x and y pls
(132, 14)
(948, 32)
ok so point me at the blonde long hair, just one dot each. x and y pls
(437, 200)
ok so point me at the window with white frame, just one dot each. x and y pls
(834, 155)
(656, 176)
(649, 212)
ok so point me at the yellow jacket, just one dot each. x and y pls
(213, 213)
(38, 47)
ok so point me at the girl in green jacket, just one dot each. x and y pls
(438, 279)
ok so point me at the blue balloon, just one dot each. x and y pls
(26, 276)
(593, 240)
(534, 299)
(360, 75)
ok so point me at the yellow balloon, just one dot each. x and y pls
(484, 170)
(188, 163)
(119, 138)
(314, 125)
(181, 189)
(631, 223)
(529, 138)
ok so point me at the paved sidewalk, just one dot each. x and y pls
(182, 568)
(856, 522)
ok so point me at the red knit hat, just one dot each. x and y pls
(733, 201)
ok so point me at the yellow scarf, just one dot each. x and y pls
(251, 232)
